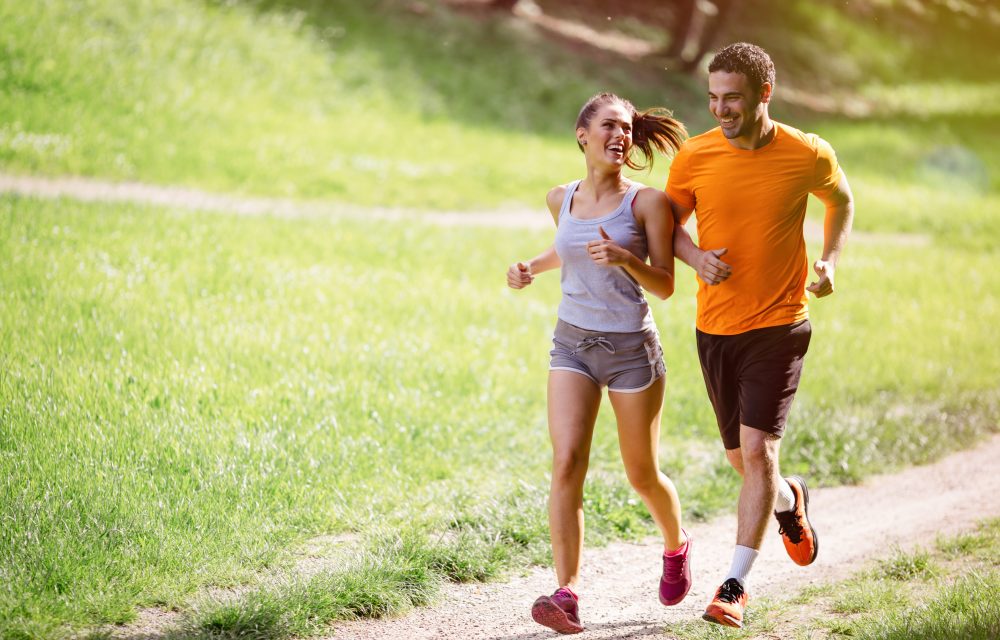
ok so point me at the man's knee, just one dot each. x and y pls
(759, 449)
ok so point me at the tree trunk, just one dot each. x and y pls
(503, 5)
(680, 28)
(710, 33)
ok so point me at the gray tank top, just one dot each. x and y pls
(601, 298)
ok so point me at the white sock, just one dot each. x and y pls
(785, 500)
(743, 558)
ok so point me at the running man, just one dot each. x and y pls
(748, 181)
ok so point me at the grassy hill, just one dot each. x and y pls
(362, 102)
(374, 103)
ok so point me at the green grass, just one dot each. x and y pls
(869, 596)
(942, 593)
(979, 545)
(389, 580)
(207, 398)
(354, 102)
(925, 595)
(966, 608)
(433, 111)
(934, 176)
(387, 107)
(905, 566)
(187, 397)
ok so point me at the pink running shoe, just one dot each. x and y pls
(676, 579)
(558, 612)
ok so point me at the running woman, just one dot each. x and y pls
(748, 181)
(614, 238)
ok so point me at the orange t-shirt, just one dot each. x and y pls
(753, 203)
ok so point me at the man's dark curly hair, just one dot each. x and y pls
(745, 58)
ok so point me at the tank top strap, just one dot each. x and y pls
(629, 197)
(568, 198)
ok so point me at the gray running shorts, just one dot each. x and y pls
(623, 362)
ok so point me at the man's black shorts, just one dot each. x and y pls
(752, 377)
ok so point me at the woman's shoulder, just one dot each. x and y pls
(556, 195)
(650, 204)
(649, 198)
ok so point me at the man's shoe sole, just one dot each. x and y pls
(805, 510)
(548, 614)
(726, 621)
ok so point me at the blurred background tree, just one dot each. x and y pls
(925, 38)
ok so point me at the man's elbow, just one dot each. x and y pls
(845, 201)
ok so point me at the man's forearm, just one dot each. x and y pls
(839, 218)
(836, 229)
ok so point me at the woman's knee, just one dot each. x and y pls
(644, 478)
(569, 467)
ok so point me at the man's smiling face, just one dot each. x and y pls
(736, 106)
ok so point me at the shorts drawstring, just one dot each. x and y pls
(598, 341)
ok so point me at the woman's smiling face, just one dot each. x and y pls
(608, 138)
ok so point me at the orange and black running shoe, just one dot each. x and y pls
(801, 541)
(728, 604)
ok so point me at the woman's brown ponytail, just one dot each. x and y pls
(655, 128)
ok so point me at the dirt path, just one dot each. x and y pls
(618, 598)
(95, 190)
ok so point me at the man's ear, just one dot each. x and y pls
(765, 92)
